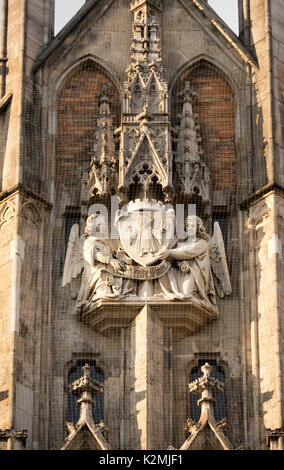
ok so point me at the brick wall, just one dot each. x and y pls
(215, 106)
(77, 107)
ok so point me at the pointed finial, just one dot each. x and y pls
(206, 386)
(86, 383)
(187, 93)
(86, 370)
(86, 388)
(206, 369)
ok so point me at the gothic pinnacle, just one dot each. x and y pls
(86, 388)
(206, 386)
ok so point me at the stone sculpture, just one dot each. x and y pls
(192, 277)
(193, 177)
(93, 254)
(178, 270)
(148, 260)
(192, 259)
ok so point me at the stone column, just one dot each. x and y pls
(266, 21)
(146, 382)
(266, 259)
(28, 25)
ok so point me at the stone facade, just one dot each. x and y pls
(73, 100)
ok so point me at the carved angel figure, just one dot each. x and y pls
(192, 277)
(93, 254)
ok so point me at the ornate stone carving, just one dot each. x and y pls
(147, 251)
(191, 277)
(93, 254)
(145, 227)
(139, 273)
(148, 260)
(145, 151)
(85, 434)
(219, 263)
(104, 167)
(15, 440)
(31, 213)
(86, 385)
(144, 166)
(192, 177)
(7, 213)
(206, 432)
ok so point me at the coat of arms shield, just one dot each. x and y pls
(145, 228)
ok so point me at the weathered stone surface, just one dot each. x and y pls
(46, 124)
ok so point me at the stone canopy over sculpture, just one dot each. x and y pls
(149, 259)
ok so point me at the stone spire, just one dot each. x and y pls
(192, 174)
(146, 51)
(206, 433)
(103, 175)
(145, 152)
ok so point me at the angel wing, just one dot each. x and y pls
(74, 261)
(219, 263)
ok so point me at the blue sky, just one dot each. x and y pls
(65, 9)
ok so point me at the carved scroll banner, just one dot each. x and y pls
(140, 273)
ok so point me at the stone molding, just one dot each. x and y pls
(26, 192)
(271, 204)
(15, 440)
